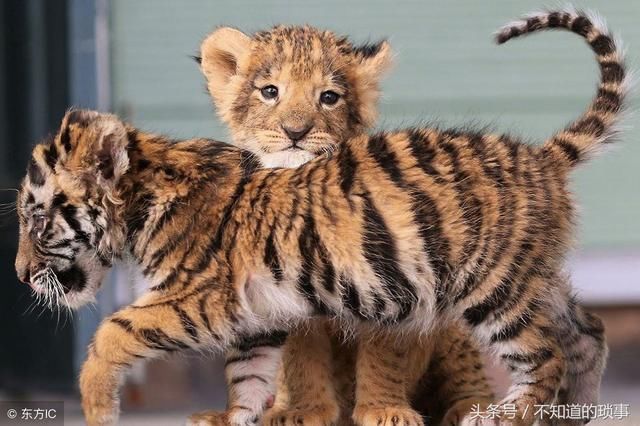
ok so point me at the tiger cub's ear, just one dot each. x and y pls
(221, 53)
(68, 139)
(110, 148)
(95, 144)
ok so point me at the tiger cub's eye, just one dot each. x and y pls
(39, 223)
(269, 92)
(329, 97)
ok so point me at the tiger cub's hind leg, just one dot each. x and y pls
(586, 351)
(523, 329)
(307, 374)
(383, 380)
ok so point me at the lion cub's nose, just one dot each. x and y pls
(298, 132)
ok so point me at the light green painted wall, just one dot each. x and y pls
(447, 69)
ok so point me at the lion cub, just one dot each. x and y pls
(290, 94)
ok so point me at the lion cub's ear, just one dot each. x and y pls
(375, 59)
(373, 62)
(220, 55)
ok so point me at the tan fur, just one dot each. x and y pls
(363, 236)
(302, 62)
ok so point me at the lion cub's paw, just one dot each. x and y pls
(387, 416)
(470, 420)
(468, 412)
(316, 416)
(208, 418)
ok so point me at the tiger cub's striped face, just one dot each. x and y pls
(66, 243)
(292, 93)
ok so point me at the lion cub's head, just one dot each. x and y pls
(292, 93)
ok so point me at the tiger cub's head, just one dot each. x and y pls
(292, 93)
(69, 210)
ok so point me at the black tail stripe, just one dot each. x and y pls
(591, 125)
(607, 101)
(612, 72)
(603, 45)
(582, 26)
(569, 149)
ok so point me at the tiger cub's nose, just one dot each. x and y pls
(24, 275)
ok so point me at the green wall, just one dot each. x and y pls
(447, 69)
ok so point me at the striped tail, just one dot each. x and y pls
(576, 142)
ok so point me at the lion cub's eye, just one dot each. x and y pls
(329, 97)
(269, 92)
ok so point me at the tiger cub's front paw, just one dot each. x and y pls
(98, 390)
(386, 416)
(314, 416)
(100, 411)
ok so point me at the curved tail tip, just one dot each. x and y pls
(509, 31)
(500, 37)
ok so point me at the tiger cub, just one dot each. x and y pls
(288, 95)
(418, 228)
